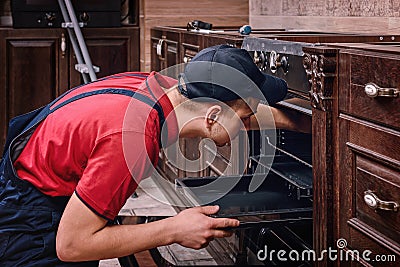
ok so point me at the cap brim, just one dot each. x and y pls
(274, 89)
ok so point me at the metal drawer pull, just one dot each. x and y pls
(375, 203)
(373, 90)
(63, 45)
(159, 51)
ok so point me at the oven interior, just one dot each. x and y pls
(278, 214)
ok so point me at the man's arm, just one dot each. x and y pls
(82, 235)
(282, 119)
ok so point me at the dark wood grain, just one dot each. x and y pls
(385, 183)
(368, 153)
(121, 45)
(170, 55)
(34, 70)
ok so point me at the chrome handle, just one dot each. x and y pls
(186, 59)
(374, 202)
(373, 90)
(159, 48)
(63, 45)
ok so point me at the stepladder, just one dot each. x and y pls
(84, 63)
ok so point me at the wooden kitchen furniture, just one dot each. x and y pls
(356, 138)
(367, 161)
(37, 65)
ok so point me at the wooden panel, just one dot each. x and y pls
(32, 79)
(384, 182)
(217, 40)
(170, 50)
(364, 239)
(370, 154)
(176, 8)
(179, 13)
(121, 47)
(152, 21)
(384, 142)
(381, 70)
(371, 165)
(30, 63)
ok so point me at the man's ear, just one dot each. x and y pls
(212, 115)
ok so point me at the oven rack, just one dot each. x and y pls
(296, 172)
(284, 237)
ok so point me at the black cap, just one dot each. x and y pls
(207, 76)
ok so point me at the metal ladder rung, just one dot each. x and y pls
(71, 25)
(83, 68)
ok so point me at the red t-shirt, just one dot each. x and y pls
(99, 146)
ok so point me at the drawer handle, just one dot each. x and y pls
(63, 45)
(186, 59)
(373, 90)
(159, 49)
(375, 203)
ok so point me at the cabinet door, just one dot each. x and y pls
(113, 50)
(191, 44)
(369, 157)
(233, 41)
(164, 49)
(34, 69)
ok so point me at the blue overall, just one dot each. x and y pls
(28, 218)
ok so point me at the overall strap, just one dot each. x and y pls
(129, 93)
(19, 142)
(121, 75)
(46, 111)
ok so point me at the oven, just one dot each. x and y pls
(278, 215)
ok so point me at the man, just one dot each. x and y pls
(69, 168)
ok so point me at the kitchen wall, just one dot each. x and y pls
(371, 16)
(172, 13)
(179, 13)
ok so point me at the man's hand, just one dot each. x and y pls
(195, 229)
(82, 235)
(269, 117)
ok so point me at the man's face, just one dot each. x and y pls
(232, 119)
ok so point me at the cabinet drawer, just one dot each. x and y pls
(191, 44)
(370, 186)
(360, 69)
(378, 196)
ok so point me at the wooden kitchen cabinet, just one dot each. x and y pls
(37, 65)
(368, 182)
(164, 48)
(355, 140)
(171, 46)
(33, 70)
(114, 50)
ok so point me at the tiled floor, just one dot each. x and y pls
(109, 263)
(151, 202)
